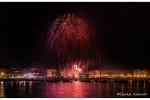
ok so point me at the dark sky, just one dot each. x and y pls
(123, 30)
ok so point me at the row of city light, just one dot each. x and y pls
(96, 75)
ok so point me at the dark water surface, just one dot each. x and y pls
(29, 89)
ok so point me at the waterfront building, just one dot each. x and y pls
(15, 74)
(71, 73)
(51, 72)
(115, 73)
(104, 73)
(119, 73)
(140, 73)
(63, 73)
(3, 73)
(32, 73)
(111, 73)
(128, 74)
(95, 73)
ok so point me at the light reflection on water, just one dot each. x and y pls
(70, 89)
(2, 93)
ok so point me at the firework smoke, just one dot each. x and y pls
(71, 38)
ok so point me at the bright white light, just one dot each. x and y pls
(75, 66)
(79, 70)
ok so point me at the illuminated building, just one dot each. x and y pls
(140, 73)
(116, 73)
(119, 74)
(3, 73)
(75, 71)
(112, 73)
(69, 73)
(51, 72)
(95, 73)
(63, 73)
(104, 73)
(15, 74)
(128, 74)
(32, 73)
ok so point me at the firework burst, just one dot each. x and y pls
(71, 38)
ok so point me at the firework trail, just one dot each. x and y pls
(71, 38)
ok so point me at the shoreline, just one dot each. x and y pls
(81, 79)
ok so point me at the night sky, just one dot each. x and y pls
(123, 31)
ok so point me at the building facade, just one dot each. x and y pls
(51, 72)
(140, 73)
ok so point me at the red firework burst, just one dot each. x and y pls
(70, 38)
